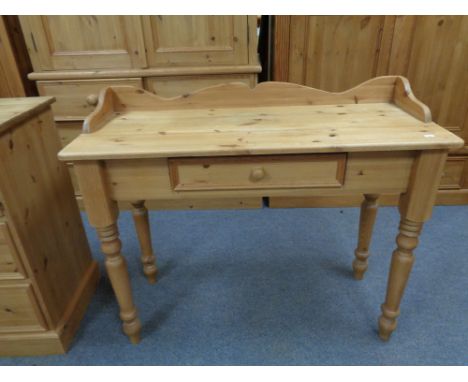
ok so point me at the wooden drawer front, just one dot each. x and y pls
(261, 172)
(9, 263)
(77, 99)
(175, 86)
(453, 175)
(19, 310)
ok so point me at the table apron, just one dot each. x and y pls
(370, 172)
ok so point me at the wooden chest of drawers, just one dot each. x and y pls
(47, 275)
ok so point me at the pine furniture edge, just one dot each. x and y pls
(149, 72)
(401, 95)
(405, 99)
(31, 110)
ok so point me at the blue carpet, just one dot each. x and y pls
(274, 287)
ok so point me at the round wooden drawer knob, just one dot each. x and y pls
(257, 174)
(92, 99)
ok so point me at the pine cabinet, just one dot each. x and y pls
(74, 57)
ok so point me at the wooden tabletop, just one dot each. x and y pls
(151, 130)
(14, 110)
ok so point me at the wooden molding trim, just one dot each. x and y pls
(281, 48)
(270, 93)
(380, 89)
(404, 98)
(33, 106)
(103, 112)
(150, 72)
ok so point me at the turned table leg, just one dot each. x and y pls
(141, 220)
(369, 208)
(415, 208)
(118, 274)
(400, 268)
(102, 214)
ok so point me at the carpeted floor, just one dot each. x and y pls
(274, 287)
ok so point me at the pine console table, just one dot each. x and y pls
(278, 139)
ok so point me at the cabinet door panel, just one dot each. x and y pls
(335, 53)
(196, 40)
(84, 42)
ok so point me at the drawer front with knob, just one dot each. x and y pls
(77, 99)
(257, 172)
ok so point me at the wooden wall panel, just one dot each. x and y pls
(432, 51)
(335, 53)
(295, 62)
(11, 84)
(332, 53)
(282, 41)
(14, 60)
(341, 51)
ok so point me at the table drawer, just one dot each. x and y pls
(9, 262)
(77, 99)
(257, 172)
(19, 310)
